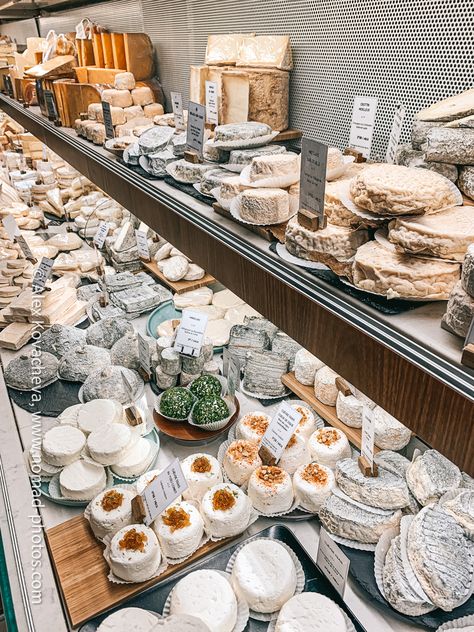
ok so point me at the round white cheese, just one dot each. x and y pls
(270, 490)
(109, 444)
(63, 445)
(96, 414)
(226, 299)
(307, 424)
(181, 623)
(389, 433)
(135, 461)
(110, 511)
(70, 415)
(202, 471)
(207, 595)
(264, 575)
(179, 529)
(306, 365)
(325, 386)
(226, 510)
(240, 460)
(313, 484)
(310, 612)
(328, 446)
(295, 454)
(82, 480)
(218, 331)
(253, 426)
(129, 619)
(131, 562)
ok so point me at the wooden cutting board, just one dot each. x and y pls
(177, 286)
(81, 570)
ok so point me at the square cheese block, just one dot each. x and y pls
(133, 111)
(382, 271)
(124, 81)
(142, 96)
(153, 109)
(223, 50)
(266, 51)
(118, 98)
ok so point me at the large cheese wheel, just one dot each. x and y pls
(118, 98)
(153, 109)
(93, 110)
(142, 96)
(124, 81)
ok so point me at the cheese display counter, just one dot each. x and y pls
(237, 381)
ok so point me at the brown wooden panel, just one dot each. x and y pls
(436, 413)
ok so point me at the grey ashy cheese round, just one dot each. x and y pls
(79, 363)
(286, 346)
(192, 365)
(210, 368)
(125, 352)
(163, 342)
(460, 311)
(26, 372)
(207, 350)
(306, 365)
(466, 181)
(106, 332)
(241, 131)
(263, 373)
(188, 172)
(61, 339)
(170, 361)
(154, 139)
(264, 206)
(431, 475)
(349, 410)
(467, 275)
(212, 179)
(240, 158)
(158, 161)
(163, 380)
(109, 383)
(420, 131)
(389, 433)
(455, 146)
(261, 324)
(175, 268)
(409, 157)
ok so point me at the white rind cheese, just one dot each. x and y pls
(325, 388)
(225, 522)
(241, 459)
(107, 519)
(328, 446)
(389, 433)
(310, 612)
(264, 575)
(135, 461)
(109, 444)
(306, 365)
(270, 489)
(312, 484)
(180, 623)
(131, 564)
(459, 311)
(98, 413)
(179, 541)
(207, 595)
(129, 620)
(295, 454)
(431, 475)
(202, 471)
(264, 206)
(82, 480)
(62, 445)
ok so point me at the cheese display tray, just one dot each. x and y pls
(81, 571)
(154, 599)
(380, 303)
(362, 570)
(186, 434)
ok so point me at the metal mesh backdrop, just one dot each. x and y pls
(412, 51)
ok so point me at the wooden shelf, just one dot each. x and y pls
(404, 362)
(328, 413)
(177, 286)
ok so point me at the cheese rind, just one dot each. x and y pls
(310, 612)
(124, 81)
(264, 206)
(450, 145)
(129, 620)
(82, 480)
(118, 98)
(459, 311)
(266, 51)
(142, 96)
(223, 50)
(454, 107)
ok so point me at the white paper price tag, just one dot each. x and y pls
(394, 139)
(196, 122)
(42, 274)
(332, 562)
(368, 435)
(142, 245)
(362, 124)
(107, 115)
(10, 225)
(163, 491)
(190, 335)
(177, 105)
(314, 156)
(212, 105)
(101, 234)
(144, 356)
(281, 429)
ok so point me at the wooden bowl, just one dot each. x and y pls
(185, 434)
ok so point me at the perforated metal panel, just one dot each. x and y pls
(120, 15)
(412, 51)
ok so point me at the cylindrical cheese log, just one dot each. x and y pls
(134, 111)
(456, 146)
(124, 81)
(153, 109)
(325, 387)
(193, 365)
(142, 96)
(210, 368)
(163, 342)
(93, 110)
(460, 311)
(163, 380)
(170, 361)
(118, 98)
(467, 277)
(207, 350)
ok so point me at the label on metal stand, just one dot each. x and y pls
(362, 124)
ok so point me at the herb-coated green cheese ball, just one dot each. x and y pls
(209, 410)
(206, 386)
(176, 402)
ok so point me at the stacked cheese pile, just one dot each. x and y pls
(329, 389)
(252, 76)
(443, 140)
(132, 110)
(460, 309)
(175, 266)
(121, 245)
